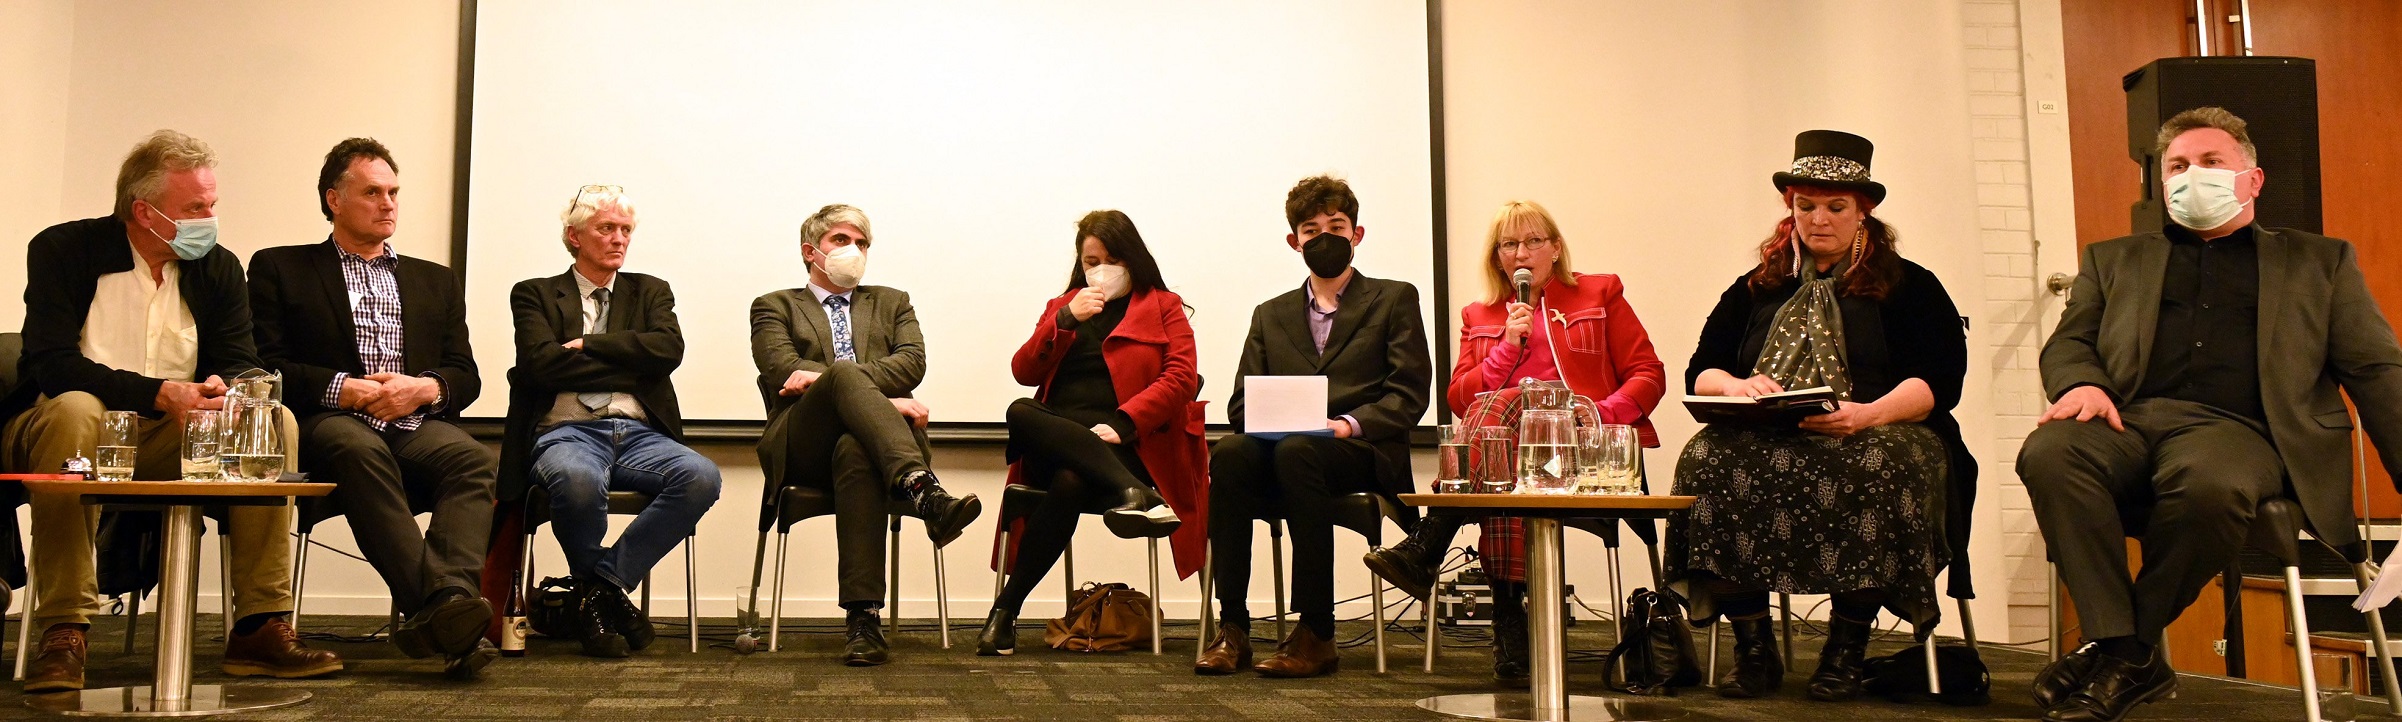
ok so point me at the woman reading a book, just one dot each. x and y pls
(1848, 503)
(1562, 326)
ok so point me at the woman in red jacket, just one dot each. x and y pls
(1113, 416)
(1579, 330)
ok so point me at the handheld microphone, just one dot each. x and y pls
(1524, 279)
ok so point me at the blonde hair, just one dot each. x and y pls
(144, 174)
(1516, 215)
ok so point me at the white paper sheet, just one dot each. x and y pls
(1284, 403)
(2383, 589)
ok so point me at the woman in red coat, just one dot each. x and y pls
(1578, 330)
(1113, 415)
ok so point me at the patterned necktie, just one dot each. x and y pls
(597, 400)
(838, 311)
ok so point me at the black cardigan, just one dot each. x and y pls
(63, 266)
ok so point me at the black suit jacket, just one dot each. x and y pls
(63, 266)
(636, 357)
(301, 307)
(1376, 364)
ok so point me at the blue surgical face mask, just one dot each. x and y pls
(193, 238)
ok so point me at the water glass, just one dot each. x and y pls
(120, 433)
(746, 619)
(1496, 470)
(1451, 459)
(202, 429)
(2334, 673)
(1617, 462)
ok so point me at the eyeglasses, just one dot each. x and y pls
(1536, 243)
(595, 190)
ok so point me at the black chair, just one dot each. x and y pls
(1364, 513)
(2277, 526)
(789, 505)
(621, 503)
(1019, 501)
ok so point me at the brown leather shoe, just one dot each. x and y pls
(1304, 654)
(1229, 653)
(60, 666)
(275, 650)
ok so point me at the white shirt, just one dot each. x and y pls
(139, 325)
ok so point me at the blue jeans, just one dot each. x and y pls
(580, 463)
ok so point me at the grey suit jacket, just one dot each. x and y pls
(2320, 331)
(790, 332)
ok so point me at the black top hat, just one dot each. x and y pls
(1832, 159)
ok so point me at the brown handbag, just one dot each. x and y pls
(1102, 618)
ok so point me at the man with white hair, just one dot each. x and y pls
(142, 311)
(591, 411)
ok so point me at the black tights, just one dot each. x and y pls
(1065, 458)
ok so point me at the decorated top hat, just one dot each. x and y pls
(1831, 159)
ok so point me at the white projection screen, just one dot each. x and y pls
(973, 134)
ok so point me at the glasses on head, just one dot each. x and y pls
(594, 190)
(1532, 243)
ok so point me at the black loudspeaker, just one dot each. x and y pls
(2277, 97)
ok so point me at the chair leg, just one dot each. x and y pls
(692, 596)
(1934, 680)
(300, 578)
(1276, 556)
(225, 582)
(1376, 597)
(1208, 611)
(1968, 625)
(1784, 603)
(646, 595)
(1067, 562)
(2301, 632)
(1157, 595)
(942, 597)
(2385, 659)
(133, 620)
(775, 619)
(1434, 635)
(1000, 572)
(25, 621)
(892, 586)
(1709, 675)
(2051, 608)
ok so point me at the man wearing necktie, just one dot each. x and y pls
(592, 410)
(837, 362)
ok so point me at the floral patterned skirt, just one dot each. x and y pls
(1802, 513)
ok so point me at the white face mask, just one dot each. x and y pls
(2204, 198)
(845, 266)
(1111, 279)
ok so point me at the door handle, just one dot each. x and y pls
(2059, 283)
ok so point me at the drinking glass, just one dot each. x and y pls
(1546, 451)
(1496, 463)
(1451, 459)
(2334, 673)
(119, 431)
(1618, 459)
(746, 619)
(201, 432)
(1588, 460)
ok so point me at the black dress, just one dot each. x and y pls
(1797, 512)
(1081, 392)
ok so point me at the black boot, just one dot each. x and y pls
(863, 644)
(1143, 516)
(1000, 635)
(627, 619)
(1510, 661)
(1840, 662)
(596, 627)
(1759, 671)
(946, 516)
(1412, 564)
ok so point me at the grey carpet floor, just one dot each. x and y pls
(926, 682)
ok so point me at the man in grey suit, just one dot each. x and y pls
(837, 361)
(2195, 372)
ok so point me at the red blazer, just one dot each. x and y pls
(1153, 367)
(1601, 349)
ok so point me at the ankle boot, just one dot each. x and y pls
(1412, 564)
(1000, 635)
(1840, 663)
(1143, 516)
(1510, 659)
(1758, 671)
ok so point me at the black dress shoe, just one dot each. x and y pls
(623, 616)
(1759, 669)
(1143, 516)
(596, 628)
(451, 623)
(1000, 635)
(2064, 676)
(946, 516)
(469, 664)
(1511, 663)
(2114, 687)
(1842, 662)
(863, 644)
(1411, 565)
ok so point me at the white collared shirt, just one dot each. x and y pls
(139, 325)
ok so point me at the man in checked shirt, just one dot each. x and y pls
(373, 349)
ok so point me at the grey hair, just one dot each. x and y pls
(2206, 117)
(144, 174)
(590, 201)
(825, 219)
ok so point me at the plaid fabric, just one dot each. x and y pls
(1501, 550)
(375, 320)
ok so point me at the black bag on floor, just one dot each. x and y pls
(550, 610)
(1902, 676)
(1654, 655)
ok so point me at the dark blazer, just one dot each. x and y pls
(1376, 364)
(63, 266)
(2321, 337)
(302, 308)
(790, 332)
(635, 357)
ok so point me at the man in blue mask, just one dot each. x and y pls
(141, 311)
(2196, 371)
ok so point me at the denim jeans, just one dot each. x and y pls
(580, 463)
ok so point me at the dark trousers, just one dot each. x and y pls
(376, 474)
(847, 438)
(1300, 476)
(1065, 458)
(2187, 475)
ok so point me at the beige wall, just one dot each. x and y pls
(35, 36)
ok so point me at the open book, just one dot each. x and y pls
(1778, 409)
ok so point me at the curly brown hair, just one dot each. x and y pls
(1876, 272)
(1319, 194)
